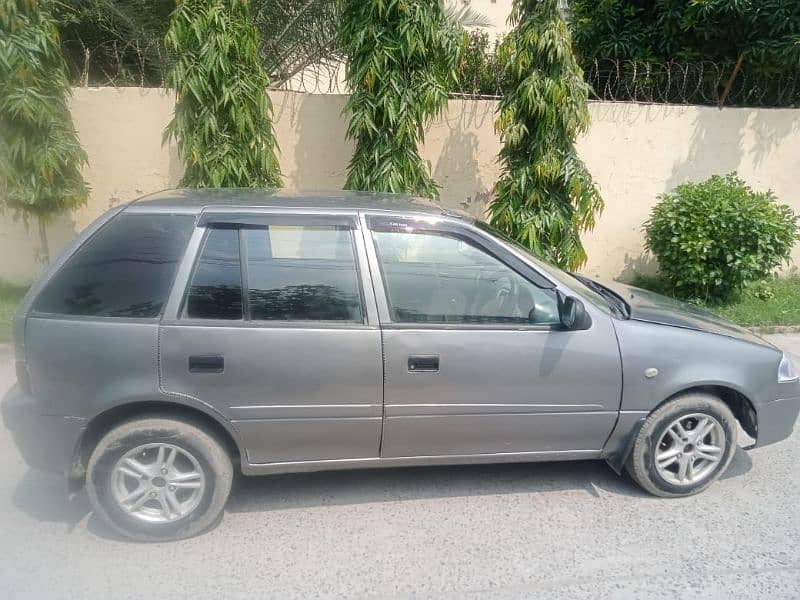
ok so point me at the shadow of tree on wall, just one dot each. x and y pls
(720, 144)
(715, 147)
(321, 150)
(175, 168)
(643, 263)
(770, 132)
(457, 169)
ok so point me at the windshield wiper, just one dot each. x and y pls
(615, 301)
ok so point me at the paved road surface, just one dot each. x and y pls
(561, 530)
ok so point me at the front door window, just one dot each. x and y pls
(436, 278)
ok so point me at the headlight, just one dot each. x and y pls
(786, 371)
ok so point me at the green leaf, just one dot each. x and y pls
(222, 122)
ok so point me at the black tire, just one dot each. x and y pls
(193, 439)
(641, 463)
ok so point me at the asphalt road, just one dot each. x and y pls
(558, 530)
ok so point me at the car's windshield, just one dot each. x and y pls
(571, 281)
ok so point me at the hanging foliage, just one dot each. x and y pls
(223, 115)
(766, 32)
(40, 155)
(545, 196)
(401, 55)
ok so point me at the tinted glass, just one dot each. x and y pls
(440, 279)
(216, 289)
(124, 270)
(302, 274)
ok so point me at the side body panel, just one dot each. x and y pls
(82, 367)
(683, 359)
(501, 391)
(293, 394)
(686, 358)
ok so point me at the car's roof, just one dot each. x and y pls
(194, 201)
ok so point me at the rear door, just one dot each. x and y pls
(271, 326)
(476, 361)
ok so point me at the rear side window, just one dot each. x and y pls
(126, 269)
(302, 274)
(277, 273)
(216, 290)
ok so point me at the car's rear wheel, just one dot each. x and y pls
(684, 445)
(159, 479)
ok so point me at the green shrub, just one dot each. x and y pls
(478, 71)
(712, 238)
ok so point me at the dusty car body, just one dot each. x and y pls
(339, 331)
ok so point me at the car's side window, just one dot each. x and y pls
(126, 269)
(291, 273)
(435, 278)
(302, 273)
(216, 288)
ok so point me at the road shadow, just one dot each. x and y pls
(369, 486)
(304, 490)
(43, 496)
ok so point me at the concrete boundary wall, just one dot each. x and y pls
(634, 151)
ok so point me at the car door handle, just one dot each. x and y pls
(426, 363)
(207, 363)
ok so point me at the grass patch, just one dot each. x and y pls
(774, 301)
(10, 297)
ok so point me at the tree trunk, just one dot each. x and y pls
(45, 247)
(729, 85)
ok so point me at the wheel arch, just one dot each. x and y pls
(104, 421)
(741, 407)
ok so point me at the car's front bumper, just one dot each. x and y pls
(776, 420)
(46, 442)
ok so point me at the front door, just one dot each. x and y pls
(275, 332)
(475, 360)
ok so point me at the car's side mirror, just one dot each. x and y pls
(572, 313)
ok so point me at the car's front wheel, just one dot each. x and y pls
(684, 445)
(159, 479)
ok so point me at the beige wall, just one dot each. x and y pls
(634, 151)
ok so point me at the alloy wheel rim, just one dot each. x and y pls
(158, 483)
(690, 449)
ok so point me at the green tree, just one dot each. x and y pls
(401, 56)
(478, 69)
(690, 30)
(756, 37)
(40, 155)
(545, 196)
(223, 114)
(117, 40)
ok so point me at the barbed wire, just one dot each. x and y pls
(704, 83)
(117, 64)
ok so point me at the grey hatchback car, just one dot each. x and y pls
(191, 331)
